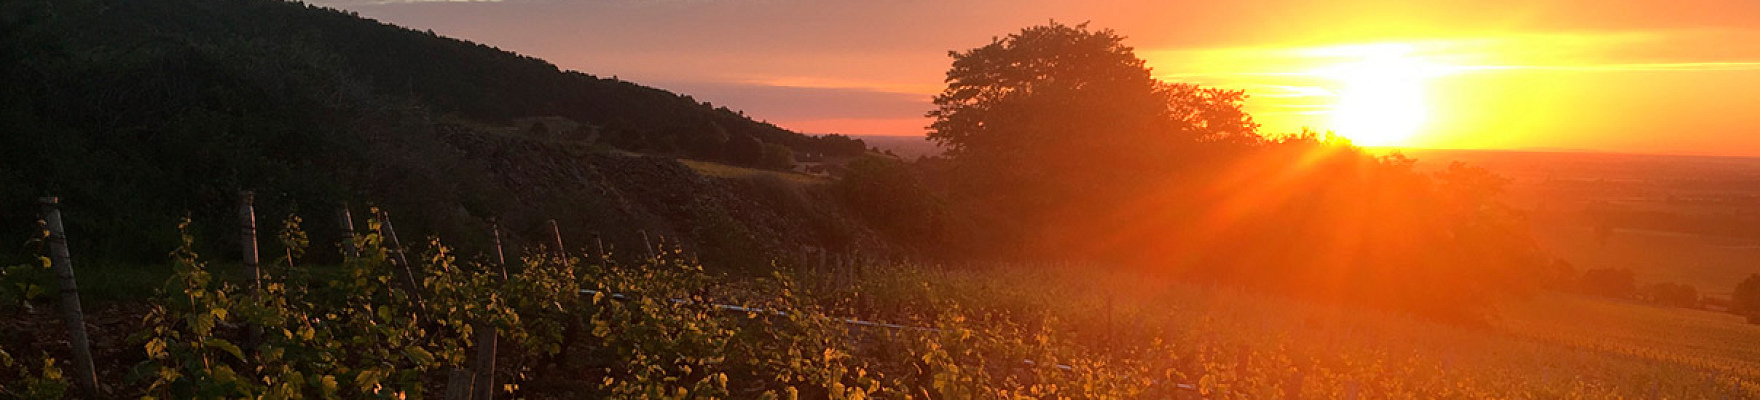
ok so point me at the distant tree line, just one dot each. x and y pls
(1607, 216)
(1622, 283)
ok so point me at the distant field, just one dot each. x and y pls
(1546, 346)
(1684, 219)
(1713, 265)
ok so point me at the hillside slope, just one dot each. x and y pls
(139, 113)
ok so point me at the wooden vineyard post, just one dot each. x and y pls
(500, 257)
(391, 239)
(458, 385)
(409, 276)
(648, 245)
(561, 254)
(247, 223)
(824, 271)
(483, 369)
(861, 270)
(849, 270)
(483, 385)
(839, 271)
(828, 272)
(837, 267)
(61, 261)
(599, 255)
(346, 222)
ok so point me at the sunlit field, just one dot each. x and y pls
(1694, 344)
(1669, 219)
(1245, 345)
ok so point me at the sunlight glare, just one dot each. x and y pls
(1381, 100)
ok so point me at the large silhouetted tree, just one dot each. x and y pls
(1057, 113)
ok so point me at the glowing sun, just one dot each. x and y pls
(1381, 99)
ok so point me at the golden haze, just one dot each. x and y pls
(1519, 91)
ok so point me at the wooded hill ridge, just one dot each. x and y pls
(138, 112)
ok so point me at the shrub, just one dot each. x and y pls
(777, 156)
(887, 195)
(1673, 294)
(1746, 299)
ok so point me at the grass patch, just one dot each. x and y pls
(728, 171)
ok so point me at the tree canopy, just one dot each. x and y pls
(1058, 111)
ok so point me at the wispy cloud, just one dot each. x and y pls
(1288, 91)
(1277, 76)
(1631, 67)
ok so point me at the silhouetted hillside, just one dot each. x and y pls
(138, 113)
(444, 75)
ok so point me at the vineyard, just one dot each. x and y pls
(568, 235)
(419, 323)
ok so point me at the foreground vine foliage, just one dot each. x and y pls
(650, 329)
(664, 327)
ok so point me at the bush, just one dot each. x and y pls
(1559, 274)
(887, 195)
(1673, 294)
(777, 156)
(1746, 299)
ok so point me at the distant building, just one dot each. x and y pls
(815, 168)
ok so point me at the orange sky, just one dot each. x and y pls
(1625, 76)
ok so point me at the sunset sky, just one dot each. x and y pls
(1605, 75)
